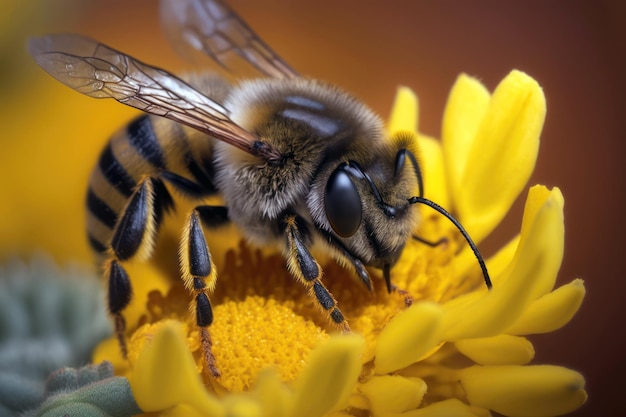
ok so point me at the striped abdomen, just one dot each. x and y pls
(148, 146)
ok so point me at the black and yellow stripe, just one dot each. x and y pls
(143, 139)
(147, 147)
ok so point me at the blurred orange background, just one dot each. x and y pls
(51, 135)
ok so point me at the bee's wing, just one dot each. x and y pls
(214, 28)
(98, 71)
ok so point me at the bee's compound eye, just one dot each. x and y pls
(342, 203)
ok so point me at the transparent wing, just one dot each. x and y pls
(98, 71)
(214, 28)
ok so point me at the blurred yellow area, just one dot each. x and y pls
(45, 161)
(51, 135)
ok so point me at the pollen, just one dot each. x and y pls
(261, 319)
(255, 333)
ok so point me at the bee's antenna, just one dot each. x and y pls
(458, 225)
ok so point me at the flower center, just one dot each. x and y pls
(264, 317)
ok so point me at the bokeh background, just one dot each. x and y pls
(50, 136)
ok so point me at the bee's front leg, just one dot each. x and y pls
(307, 271)
(432, 244)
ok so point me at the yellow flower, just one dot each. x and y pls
(459, 350)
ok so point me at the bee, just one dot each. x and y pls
(296, 160)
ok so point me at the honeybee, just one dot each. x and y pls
(296, 160)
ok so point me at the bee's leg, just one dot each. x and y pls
(408, 299)
(199, 274)
(358, 266)
(133, 237)
(119, 296)
(307, 271)
(430, 243)
(197, 269)
(392, 288)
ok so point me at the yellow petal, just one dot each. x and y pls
(239, 405)
(531, 273)
(528, 391)
(537, 197)
(543, 209)
(393, 394)
(552, 311)
(445, 408)
(502, 155)
(433, 170)
(497, 350)
(465, 261)
(404, 112)
(466, 107)
(407, 337)
(165, 375)
(182, 410)
(329, 377)
(273, 396)
(498, 263)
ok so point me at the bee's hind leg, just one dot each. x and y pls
(133, 237)
(199, 274)
(307, 271)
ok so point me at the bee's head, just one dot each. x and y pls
(365, 209)
(368, 209)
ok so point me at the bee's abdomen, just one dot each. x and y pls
(143, 139)
(131, 154)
